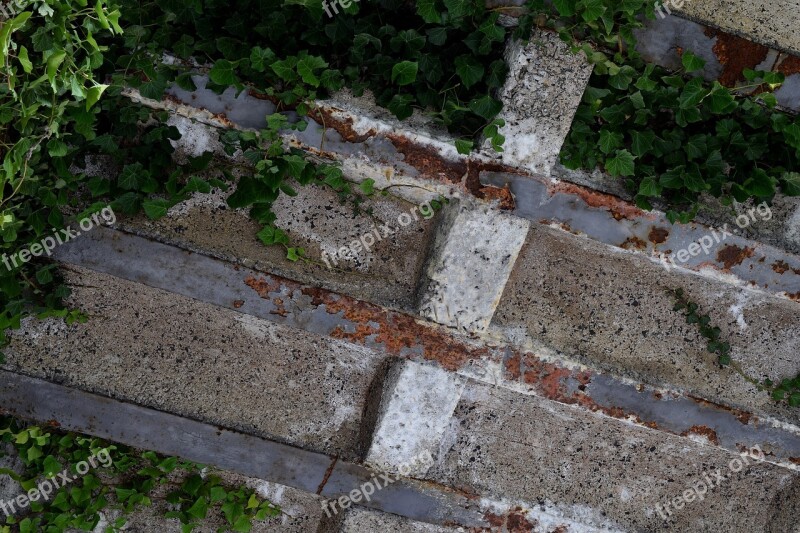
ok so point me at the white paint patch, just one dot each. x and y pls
(549, 517)
(196, 138)
(472, 260)
(793, 227)
(737, 310)
(416, 408)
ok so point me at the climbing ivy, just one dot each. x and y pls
(124, 480)
(787, 390)
(670, 136)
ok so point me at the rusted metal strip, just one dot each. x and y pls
(323, 312)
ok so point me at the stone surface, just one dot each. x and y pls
(172, 353)
(358, 520)
(544, 86)
(385, 272)
(417, 403)
(769, 22)
(566, 467)
(473, 255)
(610, 309)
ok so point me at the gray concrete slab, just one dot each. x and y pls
(610, 309)
(167, 351)
(587, 471)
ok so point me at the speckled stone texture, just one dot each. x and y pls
(315, 220)
(610, 309)
(770, 22)
(358, 520)
(175, 354)
(576, 467)
(473, 255)
(544, 86)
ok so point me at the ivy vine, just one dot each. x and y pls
(123, 483)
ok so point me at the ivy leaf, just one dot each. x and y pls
(610, 140)
(307, 66)
(621, 164)
(693, 93)
(593, 10)
(486, 107)
(405, 72)
(222, 73)
(791, 183)
(566, 8)
(649, 187)
(260, 58)
(464, 146)
(427, 10)
(469, 70)
(157, 208)
(642, 142)
(57, 148)
(22, 57)
(691, 62)
(721, 101)
(400, 105)
(93, 95)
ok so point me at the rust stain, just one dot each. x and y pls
(736, 54)
(742, 416)
(428, 161)
(238, 303)
(635, 243)
(731, 255)
(325, 117)
(513, 367)
(548, 377)
(619, 208)
(795, 460)
(781, 267)
(518, 523)
(502, 195)
(704, 431)
(395, 331)
(658, 235)
(263, 287)
(789, 65)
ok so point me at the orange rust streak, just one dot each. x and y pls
(619, 208)
(732, 255)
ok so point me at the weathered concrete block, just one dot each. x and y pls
(474, 253)
(358, 520)
(377, 257)
(585, 471)
(544, 87)
(175, 354)
(610, 309)
(773, 23)
(417, 403)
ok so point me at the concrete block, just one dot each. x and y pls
(544, 87)
(474, 253)
(610, 309)
(772, 23)
(585, 472)
(359, 520)
(172, 353)
(417, 403)
(375, 256)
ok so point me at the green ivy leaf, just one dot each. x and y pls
(691, 62)
(222, 73)
(469, 70)
(405, 72)
(157, 208)
(622, 164)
